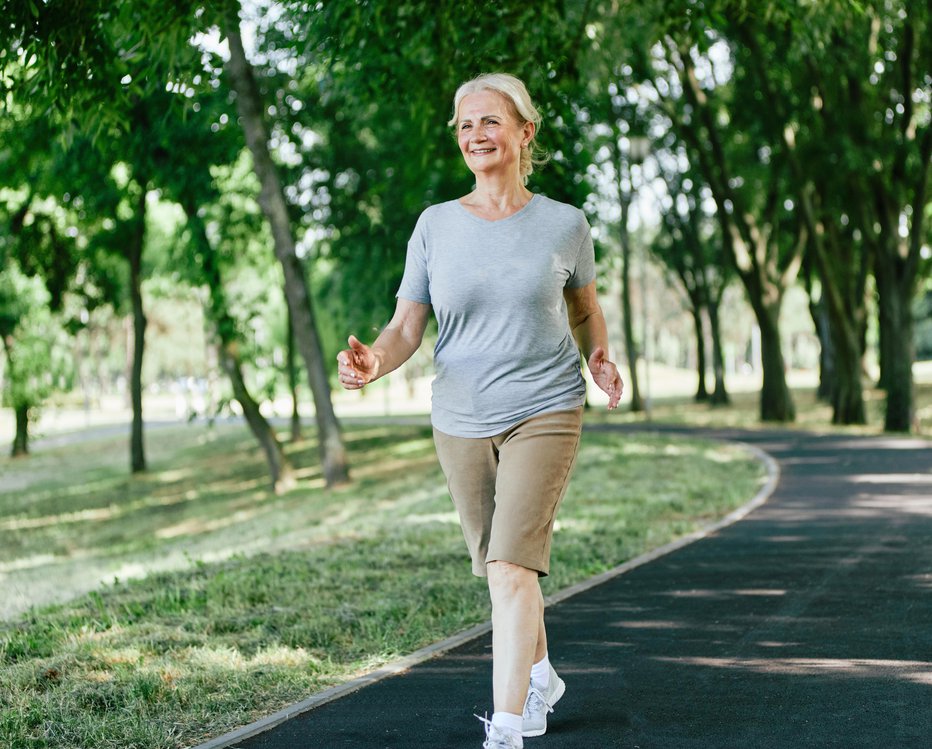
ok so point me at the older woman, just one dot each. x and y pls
(510, 276)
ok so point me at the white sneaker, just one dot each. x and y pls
(498, 738)
(539, 702)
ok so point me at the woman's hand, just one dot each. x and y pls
(606, 376)
(358, 365)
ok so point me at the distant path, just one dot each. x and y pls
(807, 624)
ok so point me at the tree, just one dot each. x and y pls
(94, 65)
(274, 206)
(33, 343)
(690, 246)
(802, 130)
(282, 472)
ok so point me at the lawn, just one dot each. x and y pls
(232, 602)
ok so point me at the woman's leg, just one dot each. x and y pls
(541, 650)
(517, 621)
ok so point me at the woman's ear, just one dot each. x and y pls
(529, 129)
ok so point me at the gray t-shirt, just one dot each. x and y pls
(504, 350)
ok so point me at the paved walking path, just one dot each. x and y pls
(807, 624)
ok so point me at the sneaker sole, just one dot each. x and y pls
(561, 688)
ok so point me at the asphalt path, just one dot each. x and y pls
(806, 624)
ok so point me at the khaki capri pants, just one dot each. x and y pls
(507, 488)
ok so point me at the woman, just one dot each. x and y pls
(510, 276)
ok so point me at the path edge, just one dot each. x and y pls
(461, 638)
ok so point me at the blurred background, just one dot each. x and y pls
(200, 201)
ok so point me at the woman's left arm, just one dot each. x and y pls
(588, 325)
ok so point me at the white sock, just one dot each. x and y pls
(509, 722)
(540, 672)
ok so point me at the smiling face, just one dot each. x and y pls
(490, 135)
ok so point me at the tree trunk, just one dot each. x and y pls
(702, 394)
(21, 440)
(280, 468)
(293, 382)
(749, 240)
(134, 252)
(896, 322)
(847, 392)
(843, 308)
(720, 395)
(776, 402)
(624, 240)
(826, 352)
(272, 200)
(631, 348)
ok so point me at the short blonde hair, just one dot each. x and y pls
(515, 92)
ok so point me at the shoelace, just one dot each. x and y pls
(501, 739)
(535, 695)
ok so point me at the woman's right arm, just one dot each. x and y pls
(361, 364)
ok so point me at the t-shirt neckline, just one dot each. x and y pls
(523, 211)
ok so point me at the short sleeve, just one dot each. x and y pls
(583, 273)
(415, 283)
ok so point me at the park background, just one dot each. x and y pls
(199, 201)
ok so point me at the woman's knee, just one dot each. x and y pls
(508, 577)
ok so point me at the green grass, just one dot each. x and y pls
(303, 590)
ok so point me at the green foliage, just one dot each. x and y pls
(34, 342)
(80, 62)
(103, 100)
(375, 87)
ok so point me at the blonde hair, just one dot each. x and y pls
(515, 92)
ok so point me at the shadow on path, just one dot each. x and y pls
(807, 624)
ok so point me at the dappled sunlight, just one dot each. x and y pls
(890, 478)
(82, 516)
(230, 487)
(175, 475)
(310, 478)
(883, 443)
(117, 656)
(573, 524)
(725, 594)
(114, 511)
(435, 517)
(25, 563)
(918, 672)
(718, 455)
(73, 489)
(361, 435)
(651, 624)
(679, 450)
(386, 465)
(412, 446)
(882, 504)
(810, 461)
(196, 526)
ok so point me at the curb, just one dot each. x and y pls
(438, 648)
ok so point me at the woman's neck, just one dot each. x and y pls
(498, 195)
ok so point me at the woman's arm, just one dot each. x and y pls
(588, 325)
(361, 364)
